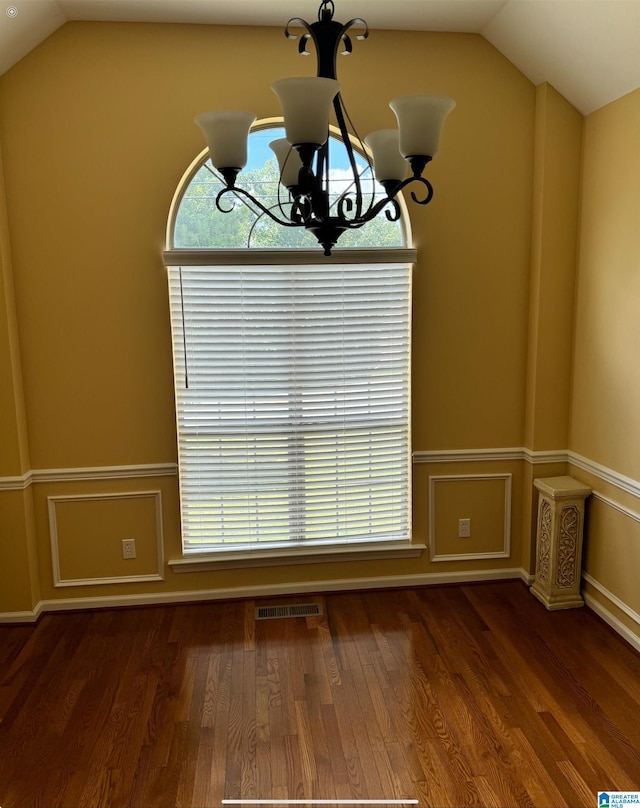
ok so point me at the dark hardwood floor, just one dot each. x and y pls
(469, 695)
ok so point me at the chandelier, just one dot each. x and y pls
(303, 156)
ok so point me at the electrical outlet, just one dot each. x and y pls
(128, 548)
(464, 528)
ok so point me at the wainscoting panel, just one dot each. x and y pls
(87, 530)
(484, 499)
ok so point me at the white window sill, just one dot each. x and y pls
(301, 555)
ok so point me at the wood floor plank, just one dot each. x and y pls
(537, 775)
(305, 743)
(576, 697)
(354, 740)
(233, 777)
(263, 735)
(314, 732)
(249, 740)
(297, 788)
(469, 695)
(336, 751)
(517, 650)
(584, 792)
(322, 653)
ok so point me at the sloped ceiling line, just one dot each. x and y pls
(589, 50)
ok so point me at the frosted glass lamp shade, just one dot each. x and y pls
(388, 163)
(226, 133)
(289, 161)
(305, 106)
(420, 119)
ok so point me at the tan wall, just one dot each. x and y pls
(19, 587)
(19, 584)
(14, 451)
(606, 385)
(605, 421)
(96, 130)
(553, 268)
(558, 135)
(119, 134)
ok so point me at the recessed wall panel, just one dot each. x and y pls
(87, 533)
(484, 500)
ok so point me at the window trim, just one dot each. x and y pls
(204, 562)
(248, 256)
(259, 556)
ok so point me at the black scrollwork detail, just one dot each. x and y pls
(393, 211)
(240, 193)
(304, 38)
(429, 188)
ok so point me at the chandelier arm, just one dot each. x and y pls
(344, 132)
(327, 36)
(392, 215)
(395, 213)
(391, 199)
(393, 193)
(350, 24)
(222, 182)
(369, 167)
(422, 181)
(302, 211)
(346, 202)
(241, 192)
(304, 24)
(348, 191)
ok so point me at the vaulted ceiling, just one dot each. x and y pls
(589, 50)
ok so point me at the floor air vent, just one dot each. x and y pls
(300, 610)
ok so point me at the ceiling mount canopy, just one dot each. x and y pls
(303, 156)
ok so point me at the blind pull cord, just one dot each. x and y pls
(184, 334)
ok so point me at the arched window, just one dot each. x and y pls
(292, 379)
(199, 224)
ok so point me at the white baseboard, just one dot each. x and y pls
(273, 590)
(527, 577)
(341, 585)
(632, 637)
(10, 618)
(611, 620)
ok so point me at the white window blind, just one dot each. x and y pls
(292, 390)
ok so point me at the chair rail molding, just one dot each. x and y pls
(484, 455)
(19, 483)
